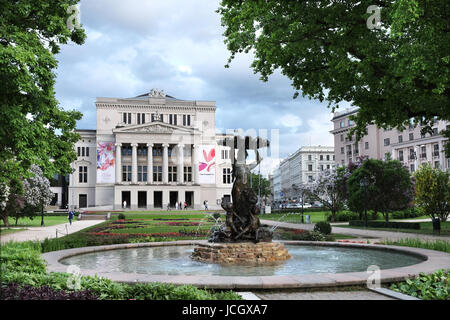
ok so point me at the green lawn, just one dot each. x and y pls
(4, 231)
(36, 221)
(425, 228)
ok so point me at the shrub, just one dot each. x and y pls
(439, 245)
(121, 216)
(323, 227)
(427, 287)
(344, 216)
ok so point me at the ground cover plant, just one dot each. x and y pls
(434, 286)
(438, 245)
(425, 228)
(24, 276)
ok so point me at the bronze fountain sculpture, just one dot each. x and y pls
(242, 239)
(242, 222)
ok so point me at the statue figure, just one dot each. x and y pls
(242, 222)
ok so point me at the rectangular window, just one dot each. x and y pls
(129, 118)
(187, 174)
(366, 145)
(170, 119)
(157, 151)
(400, 155)
(328, 167)
(342, 150)
(310, 167)
(387, 141)
(138, 118)
(172, 174)
(400, 139)
(411, 136)
(321, 157)
(226, 176)
(87, 151)
(82, 151)
(82, 174)
(188, 120)
(175, 119)
(328, 157)
(342, 137)
(184, 119)
(126, 173)
(309, 157)
(157, 173)
(142, 173)
(79, 151)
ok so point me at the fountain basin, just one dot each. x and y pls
(425, 261)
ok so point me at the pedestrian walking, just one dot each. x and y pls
(70, 216)
(206, 204)
(185, 205)
(176, 205)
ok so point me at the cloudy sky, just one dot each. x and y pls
(133, 46)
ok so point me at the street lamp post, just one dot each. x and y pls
(364, 183)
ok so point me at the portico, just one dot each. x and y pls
(153, 150)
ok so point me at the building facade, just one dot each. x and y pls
(408, 146)
(149, 152)
(300, 168)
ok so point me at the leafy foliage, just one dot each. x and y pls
(394, 73)
(323, 227)
(433, 191)
(434, 286)
(23, 269)
(33, 128)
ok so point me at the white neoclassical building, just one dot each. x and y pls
(148, 152)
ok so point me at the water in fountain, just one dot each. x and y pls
(274, 227)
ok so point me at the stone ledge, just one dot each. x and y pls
(243, 253)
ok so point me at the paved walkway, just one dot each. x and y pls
(323, 295)
(360, 233)
(40, 233)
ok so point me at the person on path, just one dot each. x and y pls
(185, 205)
(70, 216)
(206, 204)
(176, 205)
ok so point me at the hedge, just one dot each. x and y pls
(383, 224)
(299, 210)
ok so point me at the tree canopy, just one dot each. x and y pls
(392, 73)
(33, 128)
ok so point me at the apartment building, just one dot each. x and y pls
(408, 146)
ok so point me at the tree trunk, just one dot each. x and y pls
(5, 221)
(386, 215)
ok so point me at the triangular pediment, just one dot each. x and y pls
(155, 127)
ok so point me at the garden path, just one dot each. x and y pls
(360, 233)
(40, 233)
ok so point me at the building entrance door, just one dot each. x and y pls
(157, 199)
(82, 201)
(189, 198)
(126, 196)
(173, 198)
(142, 199)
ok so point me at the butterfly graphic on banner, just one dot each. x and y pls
(208, 160)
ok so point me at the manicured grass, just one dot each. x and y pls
(36, 221)
(4, 231)
(439, 245)
(425, 228)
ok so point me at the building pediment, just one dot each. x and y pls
(156, 128)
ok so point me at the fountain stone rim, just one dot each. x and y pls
(433, 260)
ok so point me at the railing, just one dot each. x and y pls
(62, 231)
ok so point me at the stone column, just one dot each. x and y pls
(118, 162)
(134, 163)
(165, 168)
(180, 170)
(150, 163)
(194, 157)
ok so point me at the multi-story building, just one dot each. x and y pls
(300, 168)
(408, 146)
(148, 152)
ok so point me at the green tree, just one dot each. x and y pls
(433, 191)
(381, 186)
(393, 73)
(33, 128)
(259, 183)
